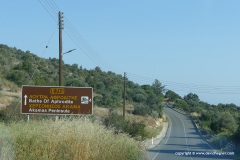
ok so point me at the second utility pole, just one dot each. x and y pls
(124, 95)
(60, 46)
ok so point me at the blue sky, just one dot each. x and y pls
(189, 46)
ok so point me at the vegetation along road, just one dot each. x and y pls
(183, 141)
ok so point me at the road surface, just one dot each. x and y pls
(183, 142)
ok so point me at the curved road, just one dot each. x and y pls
(183, 141)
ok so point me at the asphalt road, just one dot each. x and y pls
(183, 141)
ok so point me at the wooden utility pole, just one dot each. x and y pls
(60, 46)
(124, 95)
(60, 50)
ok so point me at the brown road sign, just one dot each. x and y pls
(56, 100)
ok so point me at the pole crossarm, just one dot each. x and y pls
(68, 51)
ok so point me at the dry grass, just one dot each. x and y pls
(7, 98)
(70, 140)
(7, 94)
(7, 85)
(153, 131)
(195, 114)
(6, 146)
(101, 112)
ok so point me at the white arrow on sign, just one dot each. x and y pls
(25, 99)
(90, 100)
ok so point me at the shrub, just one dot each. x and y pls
(134, 129)
(181, 104)
(141, 109)
(12, 111)
(3, 116)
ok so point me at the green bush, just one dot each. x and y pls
(134, 129)
(3, 116)
(141, 109)
(12, 112)
(181, 104)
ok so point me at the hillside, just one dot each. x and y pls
(28, 69)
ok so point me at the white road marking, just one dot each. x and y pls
(155, 155)
(170, 129)
(184, 134)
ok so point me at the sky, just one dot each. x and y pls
(189, 46)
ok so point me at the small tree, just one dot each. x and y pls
(158, 88)
(179, 103)
(172, 96)
(228, 122)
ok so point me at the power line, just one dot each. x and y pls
(47, 9)
(78, 35)
(78, 39)
(195, 88)
(88, 47)
(45, 48)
